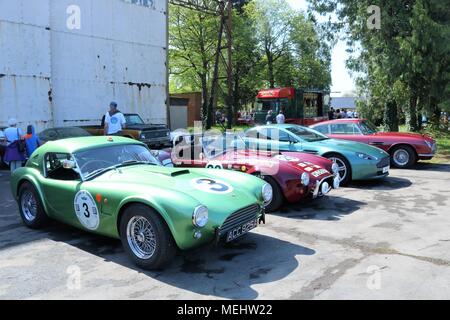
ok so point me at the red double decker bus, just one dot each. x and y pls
(300, 106)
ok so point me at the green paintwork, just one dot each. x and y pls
(173, 197)
(362, 169)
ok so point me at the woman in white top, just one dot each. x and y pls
(13, 154)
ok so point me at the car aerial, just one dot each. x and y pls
(405, 149)
(356, 161)
(293, 176)
(113, 186)
(53, 134)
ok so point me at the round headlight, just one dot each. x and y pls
(335, 168)
(267, 193)
(305, 179)
(200, 216)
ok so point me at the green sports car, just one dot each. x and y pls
(116, 188)
(357, 161)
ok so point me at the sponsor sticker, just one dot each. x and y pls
(86, 210)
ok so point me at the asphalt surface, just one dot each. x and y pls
(373, 240)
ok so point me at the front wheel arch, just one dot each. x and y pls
(400, 145)
(39, 191)
(152, 207)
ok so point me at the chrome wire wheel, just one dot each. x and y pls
(342, 168)
(141, 237)
(401, 157)
(28, 205)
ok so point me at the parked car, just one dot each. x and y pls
(405, 149)
(356, 161)
(113, 186)
(153, 135)
(54, 134)
(293, 176)
(2, 147)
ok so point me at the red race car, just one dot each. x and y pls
(405, 148)
(293, 176)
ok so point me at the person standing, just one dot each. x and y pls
(32, 141)
(269, 117)
(115, 121)
(331, 114)
(281, 119)
(14, 154)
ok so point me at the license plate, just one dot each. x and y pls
(386, 170)
(241, 230)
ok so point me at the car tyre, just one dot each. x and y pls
(30, 207)
(146, 237)
(403, 157)
(342, 163)
(278, 197)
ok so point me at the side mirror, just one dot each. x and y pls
(69, 164)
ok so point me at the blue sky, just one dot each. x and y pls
(342, 82)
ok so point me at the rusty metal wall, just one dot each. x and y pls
(52, 75)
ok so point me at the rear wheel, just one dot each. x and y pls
(30, 206)
(146, 237)
(403, 157)
(345, 173)
(278, 197)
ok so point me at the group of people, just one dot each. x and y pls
(278, 119)
(18, 147)
(342, 114)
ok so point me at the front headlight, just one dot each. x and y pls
(200, 216)
(365, 156)
(267, 193)
(305, 179)
(335, 168)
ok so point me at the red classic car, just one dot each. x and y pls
(293, 176)
(405, 148)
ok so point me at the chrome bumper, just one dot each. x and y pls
(323, 187)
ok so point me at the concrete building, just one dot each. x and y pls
(63, 61)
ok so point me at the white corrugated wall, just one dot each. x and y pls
(52, 75)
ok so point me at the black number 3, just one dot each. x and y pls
(87, 214)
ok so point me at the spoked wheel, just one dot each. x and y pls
(30, 206)
(403, 157)
(146, 237)
(344, 168)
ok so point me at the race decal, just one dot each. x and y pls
(319, 172)
(211, 186)
(214, 165)
(286, 158)
(86, 210)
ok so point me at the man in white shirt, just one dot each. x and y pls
(281, 119)
(114, 121)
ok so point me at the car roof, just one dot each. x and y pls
(351, 120)
(72, 145)
(277, 126)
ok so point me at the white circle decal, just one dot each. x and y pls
(214, 165)
(211, 186)
(86, 210)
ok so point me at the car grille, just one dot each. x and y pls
(240, 217)
(155, 134)
(383, 163)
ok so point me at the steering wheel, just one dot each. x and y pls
(90, 162)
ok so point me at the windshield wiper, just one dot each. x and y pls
(132, 162)
(98, 172)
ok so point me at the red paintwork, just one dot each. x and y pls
(277, 93)
(287, 175)
(385, 140)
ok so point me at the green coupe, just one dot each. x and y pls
(116, 188)
(356, 161)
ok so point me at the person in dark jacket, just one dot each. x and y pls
(13, 153)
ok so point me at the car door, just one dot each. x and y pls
(60, 186)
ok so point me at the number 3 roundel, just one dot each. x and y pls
(212, 186)
(86, 210)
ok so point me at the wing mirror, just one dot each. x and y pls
(69, 164)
